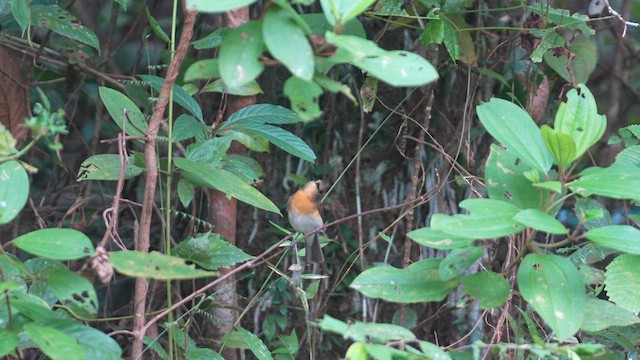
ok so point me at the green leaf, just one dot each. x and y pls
(578, 117)
(155, 265)
(487, 219)
(209, 151)
(560, 145)
(22, 13)
(186, 192)
(593, 212)
(248, 89)
(283, 139)
(433, 33)
(457, 261)
(563, 18)
(60, 244)
(202, 354)
(60, 21)
(31, 307)
(396, 68)
(604, 314)
(629, 156)
(14, 190)
(622, 282)
(553, 287)
(210, 251)
(319, 25)
(54, 343)
(186, 126)
(180, 96)
(303, 96)
(260, 114)
(419, 282)
(437, 239)
(489, 288)
(335, 86)
(95, 344)
(617, 181)
(257, 347)
(240, 51)
(202, 70)
(218, 6)
(514, 128)
(228, 183)
(213, 40)
(505, 180)
(539, 220)
(370, 332)
(433, 351)
(288, 43)
(584, 58)
(116, 102)
(156, 27)
(106, 167)
(339, 12)
(74, 290)
(8, 341)
(549, 39)
(623, 238)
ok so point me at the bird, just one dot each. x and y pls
(304, 216)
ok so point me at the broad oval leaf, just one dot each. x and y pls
(560, 145)
(359, 331)
(489, 288)
(239, 54)
(60, 21)
(54, 343)
(210, 251)
(106, 167)
(513, 127)
(604, 314)
(9, 341)
(438, 239)
(553, 287)
(419, 282)
(487, 219)
(206, 175)
(60, 244)
(396, 68)
(617, 181)
(116, 102)
(287, 43)
(258, 348)
(95, 344)
(260, 114)
(74, 290)
(578, 117)
(622, 282)
(14, 190)
(624, 238)
(217, 6)
(457, 261)
(155, 265)
(202, 70)
(539, 220)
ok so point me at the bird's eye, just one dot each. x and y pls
(319, 185)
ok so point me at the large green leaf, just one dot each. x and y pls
(419, 282)
(491, 289)
(604, 314)
(505, 180)
(370, 332)
(437, 239)
(257, 347)
(563, 18)
(8, 341)
(206, 175)
(54, 343)
(210, 251)
(260, 114)
(624, 238)
(622, 282)
(283, 139)
(22, 13)
(116, 102)
(553, 287)
(487, 219)
(106, 167)
(584, 58)
(617, 181)
(95, 344)
(396, 68)
(186, 127)
(180, 95)
(217, 6)
(578, 117)
(60, 244)
(239, 54)
(155, 265)
(539, 220)
(560, 145)
(60, 21)
(14, 190)
(288, 43)
(303, 96)
(514, 128)
(202, 70)
(74, 290)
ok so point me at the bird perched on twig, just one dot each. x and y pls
(304, 217)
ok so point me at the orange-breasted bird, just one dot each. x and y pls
(304, 217)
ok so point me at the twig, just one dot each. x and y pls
(625, 23)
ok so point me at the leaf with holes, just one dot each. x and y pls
(75, 291)
(155, 265)
(106, 167)
(60, 21)
(554, 288)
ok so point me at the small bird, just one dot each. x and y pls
(304, 217)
